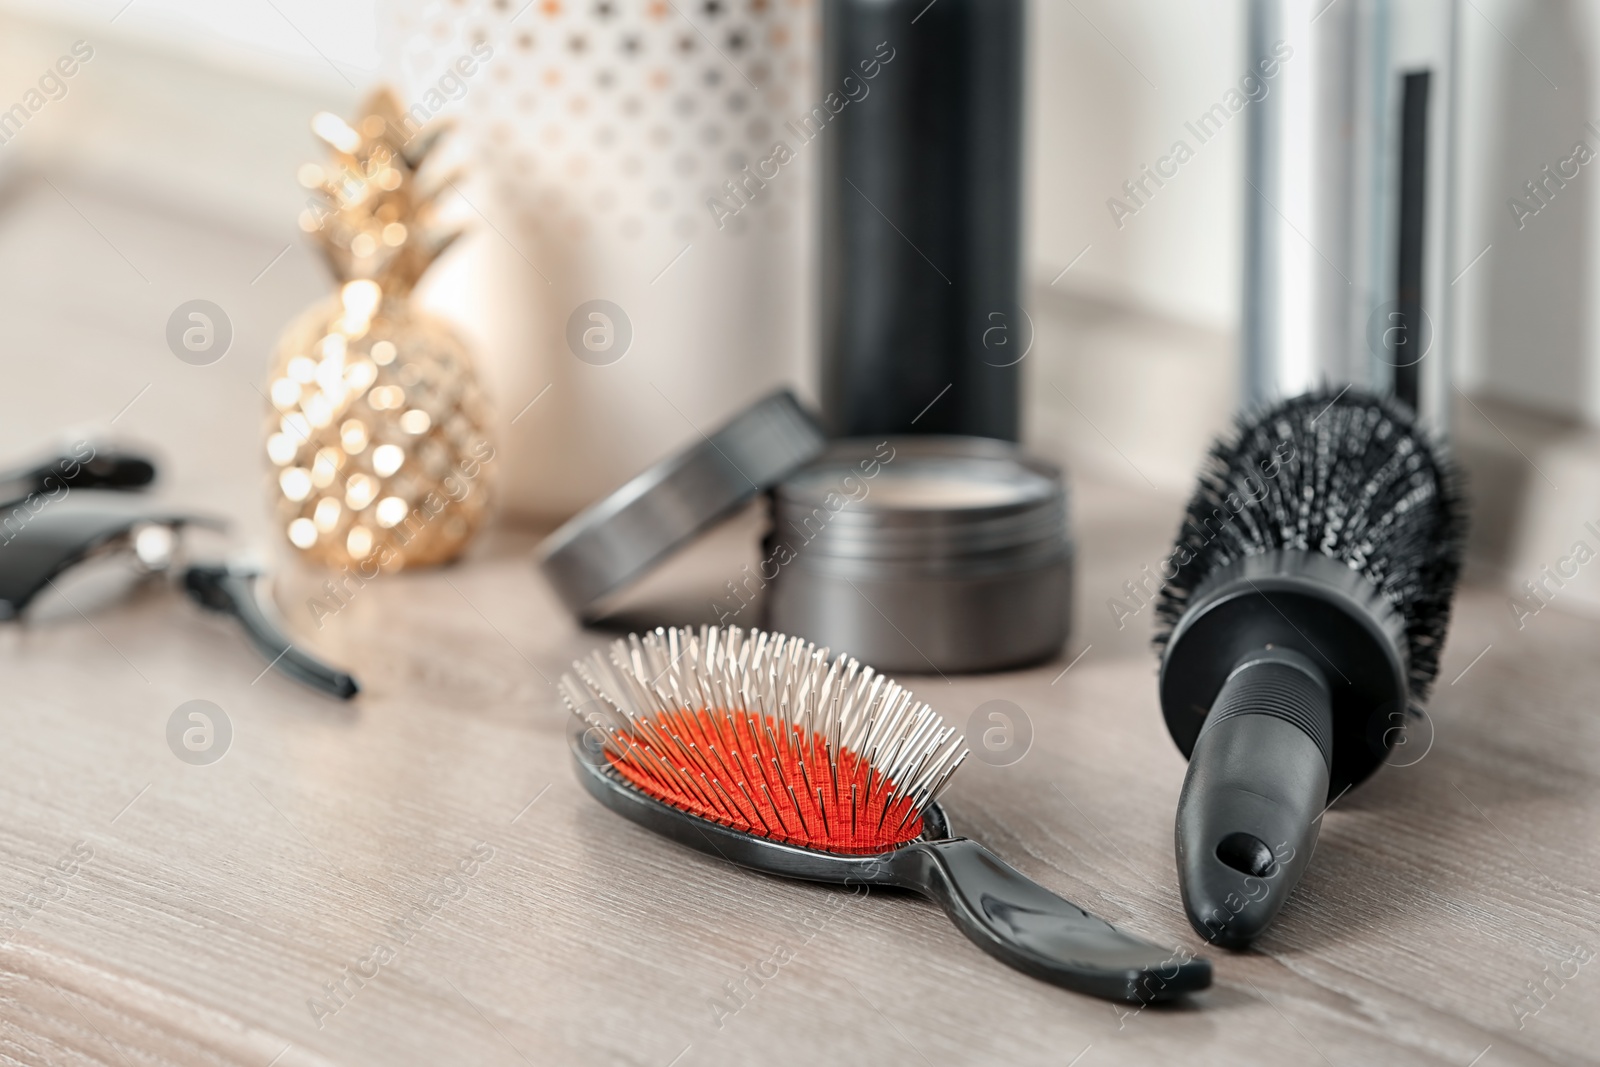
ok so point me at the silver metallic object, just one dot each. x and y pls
(1350, 170)
(923, 554)
(609, 544)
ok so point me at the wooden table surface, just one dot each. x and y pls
(199, 913)
(157, 912)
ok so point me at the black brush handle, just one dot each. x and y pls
(233, 591)
(1024, 925)
(1257, 782)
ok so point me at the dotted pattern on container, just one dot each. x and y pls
(622, 117)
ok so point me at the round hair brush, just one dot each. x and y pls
(753, 747)
(1306, 602)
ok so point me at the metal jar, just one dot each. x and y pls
(923, 554)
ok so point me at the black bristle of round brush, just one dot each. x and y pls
(1346, 474)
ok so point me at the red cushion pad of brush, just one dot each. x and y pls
(763, 775)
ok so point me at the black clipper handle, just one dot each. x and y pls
(233, 591)
(108, 467)
(1257, 782)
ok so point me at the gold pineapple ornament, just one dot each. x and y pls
(377, 431)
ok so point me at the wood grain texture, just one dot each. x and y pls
(219, 900)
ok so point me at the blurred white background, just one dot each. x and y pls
(167, 173)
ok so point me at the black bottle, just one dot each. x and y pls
(922, 330)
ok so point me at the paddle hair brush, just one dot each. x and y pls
(1300, 626)
(753, 747)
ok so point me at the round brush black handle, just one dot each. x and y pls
(1257, 783)
(1024, 925)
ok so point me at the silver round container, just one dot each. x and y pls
(923, 554)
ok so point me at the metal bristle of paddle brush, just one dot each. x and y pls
(760, 732)
(1307, 601)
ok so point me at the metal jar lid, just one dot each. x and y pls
(616, 540)
(923, 554)
(936, 501)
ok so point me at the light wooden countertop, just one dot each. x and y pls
(197, 914)
(207, 906)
